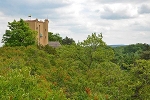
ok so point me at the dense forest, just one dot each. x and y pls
(88, 70)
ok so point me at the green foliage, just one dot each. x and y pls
(133, 48)
(18, 84)
(67, 41)
(93, 49)
(57, 37)
(54, 37)
(145, 55)
(129, 54)
(141, 77)
(93, 41)
(19, 34)
(48, 49)
(83, 71)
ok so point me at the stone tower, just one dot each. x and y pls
(42, 29)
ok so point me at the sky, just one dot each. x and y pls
(120, 21)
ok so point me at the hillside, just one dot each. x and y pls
(68, 73)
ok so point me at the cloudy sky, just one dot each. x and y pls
(120, 21)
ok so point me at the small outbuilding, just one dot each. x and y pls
(54, 44)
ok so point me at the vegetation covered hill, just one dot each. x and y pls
(83, 71)
(88, 70)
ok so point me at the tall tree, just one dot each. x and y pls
(94, 50)
(67, 41)
(19, 34)
(91, 51)
(93, 41)
(54, 37)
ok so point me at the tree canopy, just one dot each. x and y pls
(57, 37)
(88, 70)
(67, 41)
(54, 37)
(19, 34)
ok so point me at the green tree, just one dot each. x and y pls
(54, 37)
(19, 34)
(140, 73)
(145, 55)
(90, 51)
(94, 50)
(126, 55)
(67, 41)
(48, 49)
(93, 41)
(18, 84)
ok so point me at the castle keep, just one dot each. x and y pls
(42, 29)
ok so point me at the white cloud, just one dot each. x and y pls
(4, 19)
(121, 1)
(118, 11)
(121, 22)
(144, 8)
